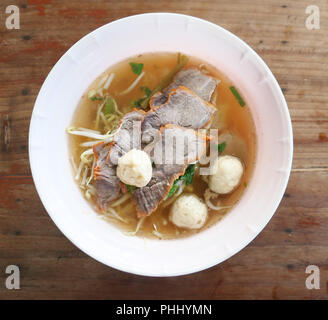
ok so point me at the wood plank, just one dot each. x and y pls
(273, 265)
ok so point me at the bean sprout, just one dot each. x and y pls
(109, 81)
(111, 213)
(133, 233)
(134, 84)
(121, 200)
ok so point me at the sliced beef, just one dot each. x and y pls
(149, 197)
(106, 182)
(193, 79)
(176, 148)
(128, 135)
(183, 108)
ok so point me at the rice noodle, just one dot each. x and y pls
(133, 233)
(121, 200)
(109, 81)
(134, 84)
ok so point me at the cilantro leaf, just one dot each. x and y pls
(147, 91)
(136, 103)
(187, 178)
(221, 146)
(136, 67)
(173, 189)
(130, 188)
(188, 175)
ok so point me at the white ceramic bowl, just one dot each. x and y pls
(49, 153)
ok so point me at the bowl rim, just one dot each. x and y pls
(284, 109)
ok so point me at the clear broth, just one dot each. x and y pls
(230, 118)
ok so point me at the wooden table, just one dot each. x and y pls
(273, 265)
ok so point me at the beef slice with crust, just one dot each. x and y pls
(193, 79)
(176, 148)
(107, 183)
(183, 108)
(128, 135)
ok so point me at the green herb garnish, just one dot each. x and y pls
(130, 188)
(221, 146)
(187, 178)
(109, 106)
(97, 98)
(188, 175)
(237, 96)
(144, 101)
(136, 103)
(173, 189)
(136, 67)
(147, 91)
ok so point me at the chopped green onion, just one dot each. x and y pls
(237, 96)
(136, 67)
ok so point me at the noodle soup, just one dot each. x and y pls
(130, 85)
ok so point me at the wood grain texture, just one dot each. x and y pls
(273, 265)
